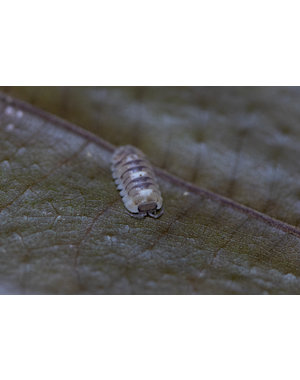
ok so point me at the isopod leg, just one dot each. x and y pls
(137, 216)
(156, 216)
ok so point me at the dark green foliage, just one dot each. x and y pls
(64, 228)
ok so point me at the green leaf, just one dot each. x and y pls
(64, 228)
(240, 142)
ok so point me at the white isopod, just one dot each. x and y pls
(136, 181)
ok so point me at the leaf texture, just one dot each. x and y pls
(64, 229)
(240, 142)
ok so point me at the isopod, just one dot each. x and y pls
(137, 183)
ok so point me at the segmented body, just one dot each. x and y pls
(136, 181)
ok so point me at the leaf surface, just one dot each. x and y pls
(240, 142)
(64, 229)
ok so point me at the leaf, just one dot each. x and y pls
(64, 228)
(240, 142)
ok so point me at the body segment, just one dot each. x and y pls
(136, 181)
